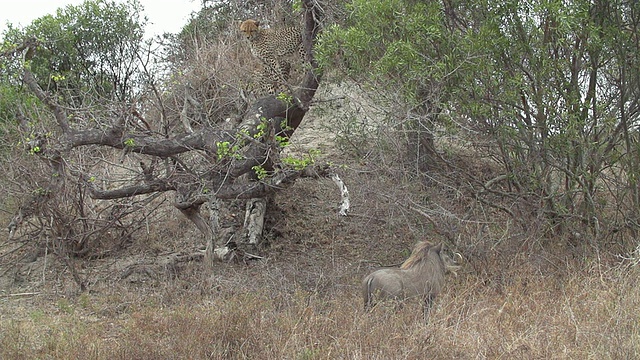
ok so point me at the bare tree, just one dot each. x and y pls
(211, 164)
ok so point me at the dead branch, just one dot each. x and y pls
(224, 176)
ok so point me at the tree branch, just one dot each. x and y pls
(254, 146)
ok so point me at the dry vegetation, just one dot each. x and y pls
(519, 296)
(522, 294)
(579, 317)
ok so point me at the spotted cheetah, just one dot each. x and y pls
(271, 47)
(265, 82)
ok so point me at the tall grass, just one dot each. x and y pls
(586, 315)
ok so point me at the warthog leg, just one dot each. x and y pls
(428, 303)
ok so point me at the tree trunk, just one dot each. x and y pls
(254, 221)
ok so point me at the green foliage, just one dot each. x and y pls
(550, 92)
(292, 162)
(11, 98)
(301, 163)
(552, 83)
(261, 172)
(225, 149)
(285, 98)
(391, 40)
(34, 150)
(89, 49)
(283, 141)
(262, 128)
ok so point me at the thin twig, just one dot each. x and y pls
(23, 294)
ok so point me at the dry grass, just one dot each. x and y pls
(303, 302)
(518, 296)
(584, 315)
(514, 298)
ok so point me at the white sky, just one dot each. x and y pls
(164, 15)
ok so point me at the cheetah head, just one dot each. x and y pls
(250, 28)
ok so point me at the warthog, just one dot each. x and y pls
(421, 276)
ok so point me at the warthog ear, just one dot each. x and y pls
(437, 248)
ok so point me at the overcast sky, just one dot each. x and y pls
(164, 15)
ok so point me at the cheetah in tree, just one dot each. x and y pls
(271, 47)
